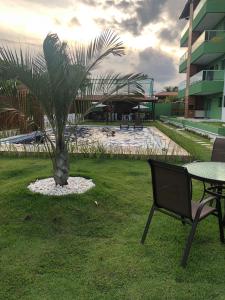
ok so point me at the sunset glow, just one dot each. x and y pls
(30, 21)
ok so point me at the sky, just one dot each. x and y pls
(149, 29)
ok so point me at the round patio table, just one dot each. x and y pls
(209, 172)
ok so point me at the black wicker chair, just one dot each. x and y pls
(218, 152)
(172, 195)
(218, 155)
(124, 125)
(138, 124)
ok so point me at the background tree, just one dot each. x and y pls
(171, 98)
(170, 89)
(61, 75)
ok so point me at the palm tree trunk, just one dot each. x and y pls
(61, 165)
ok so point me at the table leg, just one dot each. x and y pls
(219, 192)
(224, 214)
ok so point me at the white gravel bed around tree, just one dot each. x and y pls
(76, 185)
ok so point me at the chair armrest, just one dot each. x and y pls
(202, 204)
(208, 199)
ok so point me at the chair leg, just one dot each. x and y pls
(188, 244)
(220, 220)
(148, 224)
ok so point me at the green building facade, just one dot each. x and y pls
(206, 63)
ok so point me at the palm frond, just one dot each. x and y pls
(61, 76)
(107, 43)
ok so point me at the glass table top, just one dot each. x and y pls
(211, 171)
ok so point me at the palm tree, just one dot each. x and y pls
(171, 89)
(61, 75)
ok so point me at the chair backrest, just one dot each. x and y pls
(218, 152)
(171, 188)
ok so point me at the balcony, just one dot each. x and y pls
(206, 82)
(208, 47)
(207, 15)
(183, 63)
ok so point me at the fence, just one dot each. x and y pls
(169, 109)
(23, 112)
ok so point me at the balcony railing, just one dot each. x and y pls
(197, 10)
(182, 85)
(183, 57)
(185, 28)
(213, 36)
(205, 75)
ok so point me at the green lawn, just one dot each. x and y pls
(70, 248)
(216, 124)
(187, 141)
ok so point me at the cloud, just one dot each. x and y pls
(141, 18)
(124, 4)
(90, 2)
(152, 62)
(131, 25)
(109, 2)
(146, 12)
(169, 35)
(156, 64)
(50, 3)
(16, 40)
(142, 13)
(57, 21)
(174, 8)
(74, 22)
(149, 11)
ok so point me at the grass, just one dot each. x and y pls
(187, 141)
(216, 124)
(71, 248)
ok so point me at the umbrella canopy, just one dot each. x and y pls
(100, 105)
(140, 107)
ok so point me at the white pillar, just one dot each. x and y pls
(223, 101)
(188, 73)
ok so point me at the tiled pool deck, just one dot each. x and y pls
(112, 139)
